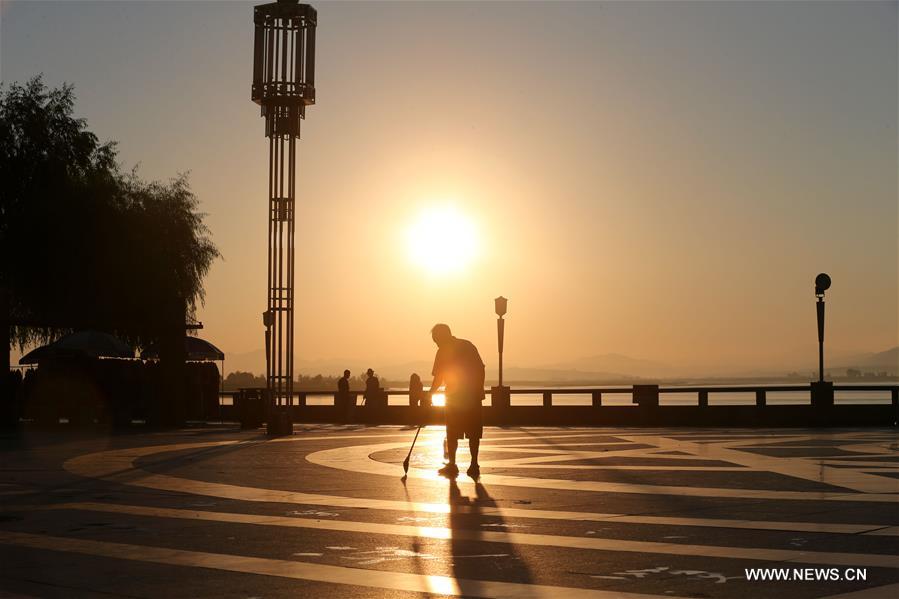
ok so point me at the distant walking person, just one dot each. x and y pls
(372, 395)
(343, 384)
(458, 366)
(417, 397)
(343, 400)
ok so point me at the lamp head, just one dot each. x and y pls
(822, 284)
(501, 304)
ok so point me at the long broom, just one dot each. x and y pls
(406, 461)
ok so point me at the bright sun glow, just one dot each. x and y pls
(442, 240)
(438, 399)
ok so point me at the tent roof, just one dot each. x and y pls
(88, 343)
(197, 350)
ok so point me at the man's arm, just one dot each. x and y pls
(435, 384)
(437, 373)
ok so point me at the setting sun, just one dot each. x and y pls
(442, 240)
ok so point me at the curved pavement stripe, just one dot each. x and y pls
(357, 459)
(828, 558)
(379, 579)
(118, 465)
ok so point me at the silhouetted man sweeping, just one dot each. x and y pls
(458, 366)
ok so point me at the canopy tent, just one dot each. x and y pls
(82, 344)
(198, 350)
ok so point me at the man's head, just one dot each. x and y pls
(369, 372)
(441, 334)
(346, 373)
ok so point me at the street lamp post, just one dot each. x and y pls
(822, 284)
(283, 85)
(500, 394)
(501, 303)
(822, 391)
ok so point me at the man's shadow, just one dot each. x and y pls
(474, 557)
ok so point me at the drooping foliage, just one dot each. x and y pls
(84, 244)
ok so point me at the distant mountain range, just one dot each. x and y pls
(610, 366)
(602, 368)
(886, 360)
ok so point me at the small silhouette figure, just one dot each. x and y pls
(372, 395)
(343, 391)
(417, 397)
(459, 367)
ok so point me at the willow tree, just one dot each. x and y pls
(84, 244)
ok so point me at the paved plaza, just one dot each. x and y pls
(558, 512)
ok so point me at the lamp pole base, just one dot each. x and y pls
(822, 393)
(500, 398)
(279, 422)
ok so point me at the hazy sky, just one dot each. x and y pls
(658, 179)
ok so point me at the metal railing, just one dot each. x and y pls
(760, 394)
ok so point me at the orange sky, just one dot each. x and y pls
(661, 180)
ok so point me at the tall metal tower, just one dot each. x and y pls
(283, 85)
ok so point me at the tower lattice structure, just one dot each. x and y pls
(283, 85)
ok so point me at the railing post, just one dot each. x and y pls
(301, 399)
(894, 396)
(500, 398)
(760, 398)
(646, 396)
(547, 399)
(703, 399)
(596, 398)
(822, 394)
